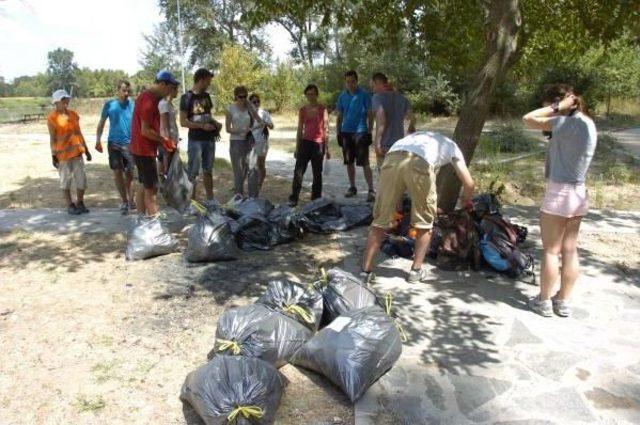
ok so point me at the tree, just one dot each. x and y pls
(161, 52)
(238, 66)
(61, 69)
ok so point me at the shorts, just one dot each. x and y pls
(261, 148)
(72, 171)
(120, 157)
(565, 199)
(406, 172)
(147, 171)
(200, 155)
(355, 148)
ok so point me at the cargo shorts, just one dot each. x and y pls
(406, 172)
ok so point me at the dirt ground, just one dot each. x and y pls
(89, 338)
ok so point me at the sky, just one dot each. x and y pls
(101, 34)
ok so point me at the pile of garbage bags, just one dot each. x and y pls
(467, 239)
(221, 232)
(358, 344)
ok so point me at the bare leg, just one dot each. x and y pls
(368, 176)
(80, 196)
(374, 240)
(150, 201)
(118, 178)
(552, 229)
(67, 197)
(129, 186)
(142, 208)
(261, 162)
(351, 172)
(423, 238)
(207, 178)
(570, 261)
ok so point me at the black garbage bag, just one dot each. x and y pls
(357, 215)
(177, 187)
(237, 208)
(303, 304)
(256, 233)
(211, 239)
(322, 216)
(354, 351)
(149, 238)
(398, 246)
(234, 390)
(257, 331)
(343, 293)
(288, 223)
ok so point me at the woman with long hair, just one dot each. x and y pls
(572, 143)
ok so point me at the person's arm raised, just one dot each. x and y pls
(543, 118)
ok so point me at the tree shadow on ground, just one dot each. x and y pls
(45, 192)
(67, 253)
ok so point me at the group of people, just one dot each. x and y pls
(146, 135)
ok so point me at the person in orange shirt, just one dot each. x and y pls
(67, 146)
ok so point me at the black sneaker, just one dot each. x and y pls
(82, 208)
(73, 210)
(351, 192)
(371, 196)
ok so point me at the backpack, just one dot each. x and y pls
(499, 246)
(457, 245)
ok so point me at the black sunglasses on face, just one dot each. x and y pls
(242, 96)
(255, 102)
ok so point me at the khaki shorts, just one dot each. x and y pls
(72, 170)
(405, 172)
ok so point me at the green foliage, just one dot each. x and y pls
(282, 87)
(61, 69)
(511, 138)
(31, 86)
(238, 67)
(98, 83)
(435, 96)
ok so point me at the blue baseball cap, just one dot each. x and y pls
(167, 77)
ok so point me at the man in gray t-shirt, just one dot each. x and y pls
(390, 109)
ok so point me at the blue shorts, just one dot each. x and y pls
(201, 155)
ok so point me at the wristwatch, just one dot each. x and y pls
(556, 107)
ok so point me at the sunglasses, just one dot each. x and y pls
(255, 102)
(242, 96)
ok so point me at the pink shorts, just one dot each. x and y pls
(565, 199)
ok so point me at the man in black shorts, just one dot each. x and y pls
(119, 112)
(145, 139)
(355, 122)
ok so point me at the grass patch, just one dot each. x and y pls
(86, 404)
(105, 371)
(508, 137)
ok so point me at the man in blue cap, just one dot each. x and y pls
(145, 139)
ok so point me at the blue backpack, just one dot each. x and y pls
(499, 247)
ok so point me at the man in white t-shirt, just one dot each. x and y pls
(411, 166)
(168, 128)
(258, 157)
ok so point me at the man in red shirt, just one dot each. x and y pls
(145, 139)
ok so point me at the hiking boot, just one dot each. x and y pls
(132, 205)
(292, 202)
(560, 307)
(73, 210)
(415, 276)
(82, 208)
(367, 278)
(124, 208)
(351, 192)
(542, 307)
(371, 196)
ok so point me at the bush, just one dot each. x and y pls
(511, 138)
(435, 96)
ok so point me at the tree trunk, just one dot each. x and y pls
(502, 27)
